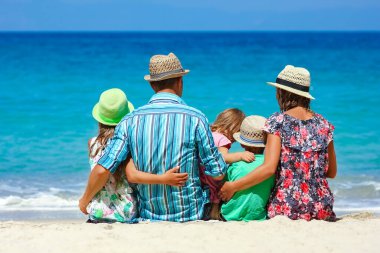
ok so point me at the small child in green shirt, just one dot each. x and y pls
(249, 204)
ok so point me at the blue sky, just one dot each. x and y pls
(147, 15)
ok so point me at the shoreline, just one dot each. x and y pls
(349, 234)
(76, 215)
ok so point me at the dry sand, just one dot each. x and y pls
(353, 233)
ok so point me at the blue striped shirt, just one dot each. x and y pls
(159, 136)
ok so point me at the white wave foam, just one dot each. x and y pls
(350, 184)
(38, 202)
(350, 196)
(374, 209)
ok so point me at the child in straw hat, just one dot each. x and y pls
(115, 202)
(249, 204)
(226, 124)
(299, 149)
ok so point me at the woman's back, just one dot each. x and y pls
(301, 189)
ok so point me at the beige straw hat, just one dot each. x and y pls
(251, 131)
(295, 80)
(162, 67)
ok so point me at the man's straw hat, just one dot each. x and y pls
(113, 105)
(295, 80)
(251, 131)
(162, 67)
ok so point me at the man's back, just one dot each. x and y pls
(164, 134)
(159, 136)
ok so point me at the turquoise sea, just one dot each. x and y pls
(49, 83)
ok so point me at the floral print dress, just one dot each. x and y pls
(301, 190)
(114, 202)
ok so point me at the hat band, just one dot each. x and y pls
(251, 141)
(167, 73)
(292, 85)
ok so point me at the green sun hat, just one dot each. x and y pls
(113, 105)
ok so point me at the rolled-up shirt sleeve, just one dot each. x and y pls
(209, 154)
(116, 150)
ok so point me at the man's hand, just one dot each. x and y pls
(171, 177)
(247, 156)
(83, 206)
(227, 191)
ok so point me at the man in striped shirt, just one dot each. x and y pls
(161, 135)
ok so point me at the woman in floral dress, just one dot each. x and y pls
(299, 150)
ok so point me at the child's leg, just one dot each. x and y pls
(214, 186)
(213, 208)
(215, 211)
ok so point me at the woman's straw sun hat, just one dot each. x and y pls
(251, 131)
(295, 80)
(113, 105)
(162, 67)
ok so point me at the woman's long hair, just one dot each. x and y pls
(288, 100)
(104, 135)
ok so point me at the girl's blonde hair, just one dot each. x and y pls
(228, 122)
(105, 133)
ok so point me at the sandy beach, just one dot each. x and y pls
(353, 233)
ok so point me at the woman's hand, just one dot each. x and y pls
(247, 156)
(171, 177)
(227, 191)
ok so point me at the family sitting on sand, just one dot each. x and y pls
(163, 161)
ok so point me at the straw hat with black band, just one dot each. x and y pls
(295, 80)
(162, 67)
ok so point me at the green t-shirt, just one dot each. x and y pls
(249, 204)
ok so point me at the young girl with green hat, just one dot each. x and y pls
(115, 202)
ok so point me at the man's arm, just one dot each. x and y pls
(211, 158)
(115, 152)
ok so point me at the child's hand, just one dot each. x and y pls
(247, 156)
(227, 191)
(83, 206)
(171, 177)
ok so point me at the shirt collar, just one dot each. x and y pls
(165, 97)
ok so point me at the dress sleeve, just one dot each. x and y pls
(209, 155)
(330, 134)
(274, 123)
(116, 150)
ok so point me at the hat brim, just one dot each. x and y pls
(96, 115)
(149, 79)
(238, 139)
(292, 90)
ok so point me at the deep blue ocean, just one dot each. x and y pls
(49, 83)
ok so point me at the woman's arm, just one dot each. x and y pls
(237, 156)
(170, 177)
(331, 172)
(261, 173)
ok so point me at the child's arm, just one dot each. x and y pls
(89, 146)
(170, 177)
(261, 173)
(229, 158)
(331, 172)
